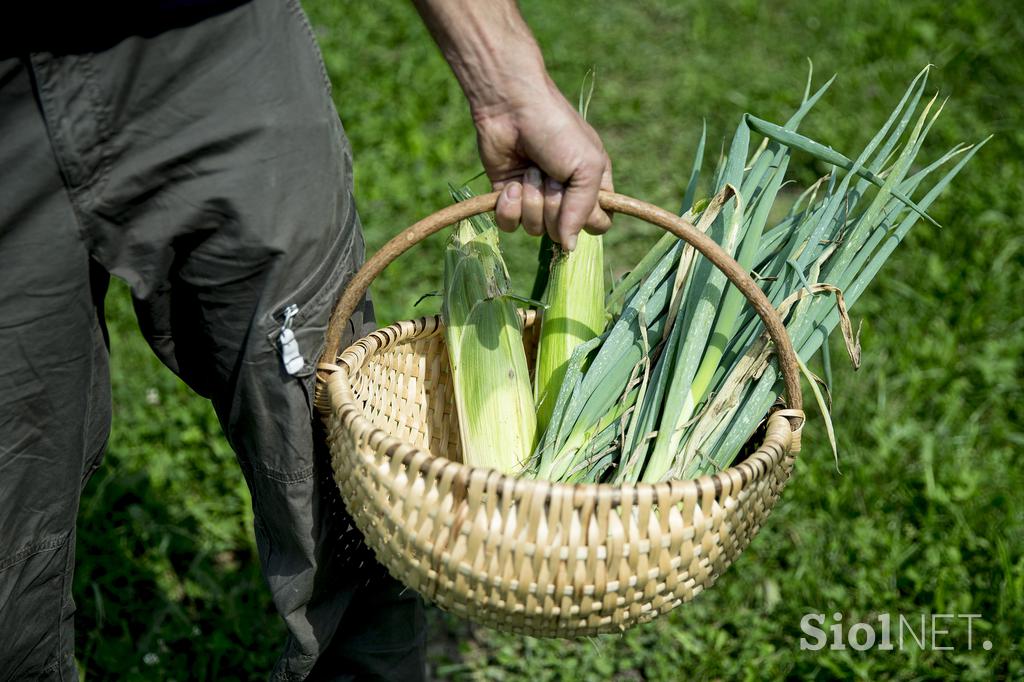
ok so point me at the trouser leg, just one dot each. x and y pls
(381, 637)
(54, 390)
(218, 184)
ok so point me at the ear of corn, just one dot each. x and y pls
(606, 383)
(573, 313)
(497, 420)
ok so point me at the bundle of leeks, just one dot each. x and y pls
(681, 376)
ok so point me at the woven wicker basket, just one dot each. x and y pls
(522, 555)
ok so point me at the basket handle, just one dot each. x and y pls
(609, 201)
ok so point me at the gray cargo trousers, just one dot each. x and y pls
(205, 165)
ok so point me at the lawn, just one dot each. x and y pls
(922, 516)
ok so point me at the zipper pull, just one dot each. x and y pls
(290, 355)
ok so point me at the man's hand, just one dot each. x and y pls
(547, 161)
(549, 165)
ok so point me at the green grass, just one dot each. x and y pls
(925, 516)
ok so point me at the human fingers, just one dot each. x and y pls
(553, 193)
(532, 215)
(509, 210)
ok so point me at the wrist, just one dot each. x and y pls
(514, 94)
(502, 78)
(491, 51)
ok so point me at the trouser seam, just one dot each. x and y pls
(54, 666)
(45, 96)
(296, 9)
(95, 457)
(95, 183)
(300, 476)
(32, 549)
(65, 589)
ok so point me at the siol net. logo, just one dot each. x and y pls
(935, 632)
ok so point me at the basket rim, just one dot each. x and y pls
(781, 441)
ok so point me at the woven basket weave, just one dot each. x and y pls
(521, 555)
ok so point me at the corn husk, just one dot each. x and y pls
(497, 419)
(573, 314)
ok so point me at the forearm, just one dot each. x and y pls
(536, 149)
(489, 47)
